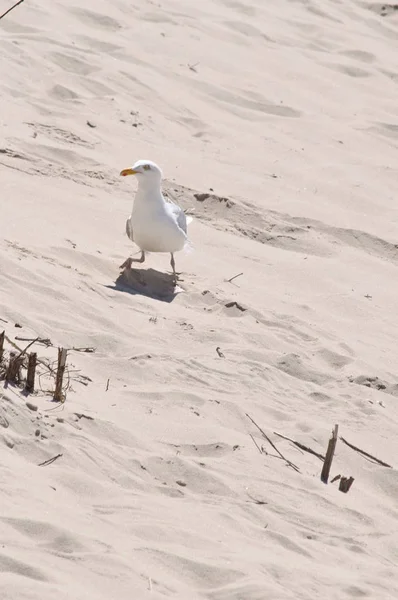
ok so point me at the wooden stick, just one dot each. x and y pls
(10, 9)
(288, 462)
(58, 395)
(301, 446)
(345, 484)
(2, 334)
(377, 460)
(30, 379)
(329, 455)
(14, 367)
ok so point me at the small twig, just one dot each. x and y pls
(329, 455)
(10, 9)
(22, 352)
(107, 385)
(3, 320)
(83, 416)
(193, 67)
(287, 461)
(301, 446)
(59, 406)
(68, 386)
(255, 443)
(45, 341)
(335, 478)
(377, 460)
(220, 354)
(259, 502)
(49, 461)
(87, 349)
(234, 277)
(83, 379)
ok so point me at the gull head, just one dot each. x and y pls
(147, 172)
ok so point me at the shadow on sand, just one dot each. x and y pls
(147, 282)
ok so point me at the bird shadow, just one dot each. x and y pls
(147, 282)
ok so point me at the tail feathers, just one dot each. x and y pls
(188, 247)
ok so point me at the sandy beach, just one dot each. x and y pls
(276, 127)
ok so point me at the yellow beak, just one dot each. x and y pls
(128, 172)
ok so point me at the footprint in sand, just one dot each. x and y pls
(95, 19)
(60, 92)
(376, 384)
(71, 64)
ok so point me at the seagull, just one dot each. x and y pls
(155, 225)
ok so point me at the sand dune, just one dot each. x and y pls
(276, 127)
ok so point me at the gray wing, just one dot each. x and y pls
(179, 216)
(129, 229)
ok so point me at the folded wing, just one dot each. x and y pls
(179, 215)
(129, 229)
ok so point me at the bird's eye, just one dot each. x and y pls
(147, 167)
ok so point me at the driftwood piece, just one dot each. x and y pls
(345, 484)
(58, 395)
(329, 455)
(376, 460)
(287, 461)
(30, 378)
(301, 446)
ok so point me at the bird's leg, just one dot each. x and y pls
(173, 266)
(128, 262)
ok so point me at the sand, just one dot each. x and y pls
(285, 116)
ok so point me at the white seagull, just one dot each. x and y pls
(155, 225)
